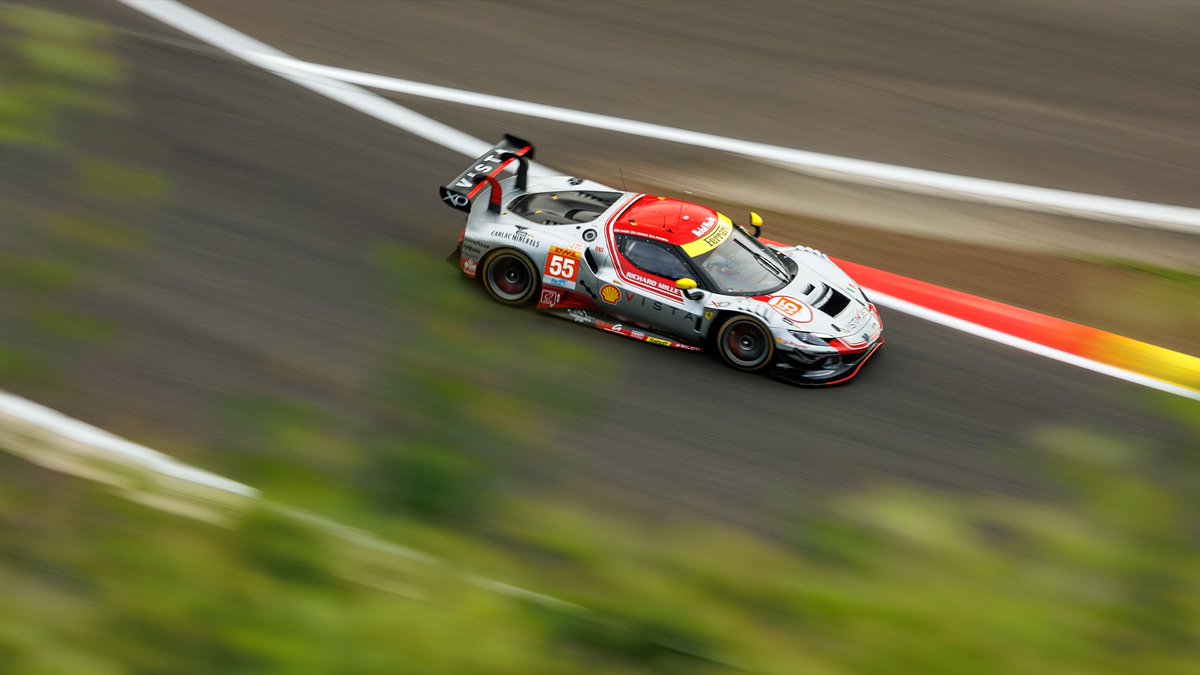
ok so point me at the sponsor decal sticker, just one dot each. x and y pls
(521, 236)
(455, 199)
(658, 341)
(473, 248)
(469, 266)
(719, 233)
(791, 308)
(610, 294)
(705, 227)
(656, 305)
(562, 267)
(858, 318)
(486, 165)
(550, 297)
(708, 315)
(651, 282)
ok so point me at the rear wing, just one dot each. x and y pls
(459, 192)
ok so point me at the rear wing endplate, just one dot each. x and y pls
(459, 192)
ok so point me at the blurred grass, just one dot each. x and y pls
(53, 65)
(889, 579)
(71, 215)
(88, 232)
(115, 182)
(1185, 278)
(34, 275)
(1152, 303)
(440, 425)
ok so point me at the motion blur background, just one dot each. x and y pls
(207, 259)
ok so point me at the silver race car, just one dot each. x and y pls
(659, 270)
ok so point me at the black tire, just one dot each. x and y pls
(745, 344)
(510, 277)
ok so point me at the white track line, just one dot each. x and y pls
(845, 169)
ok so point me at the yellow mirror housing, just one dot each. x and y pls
(685, 284)
(756, 223)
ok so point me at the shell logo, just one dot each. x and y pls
(610, 294)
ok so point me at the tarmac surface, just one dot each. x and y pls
(260, 278)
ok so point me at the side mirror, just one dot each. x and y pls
(756, 222)
(688, 286)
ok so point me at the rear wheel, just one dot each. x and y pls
(509, 277)
(745, 343)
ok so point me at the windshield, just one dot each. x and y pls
(738, 264)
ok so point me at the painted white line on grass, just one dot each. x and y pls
(51, 439)
(845, 169)
(71, 430)
(933, 316)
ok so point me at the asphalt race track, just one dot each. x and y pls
(260, 280)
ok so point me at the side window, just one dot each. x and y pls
(653, 257)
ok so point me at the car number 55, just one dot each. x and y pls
(562, 267)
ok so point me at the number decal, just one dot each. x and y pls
(792, 308)
(562, 267)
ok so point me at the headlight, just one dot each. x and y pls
(810, 338)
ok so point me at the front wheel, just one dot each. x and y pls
(509, 277)
(745, 343)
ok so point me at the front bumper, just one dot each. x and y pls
(795, 368)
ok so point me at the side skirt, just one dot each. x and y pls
(604, 323)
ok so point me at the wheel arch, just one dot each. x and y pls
(535, 269)
(726, 315)
(723, 315)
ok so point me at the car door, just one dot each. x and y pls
(647, 295)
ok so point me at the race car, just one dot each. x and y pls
(658, 270)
